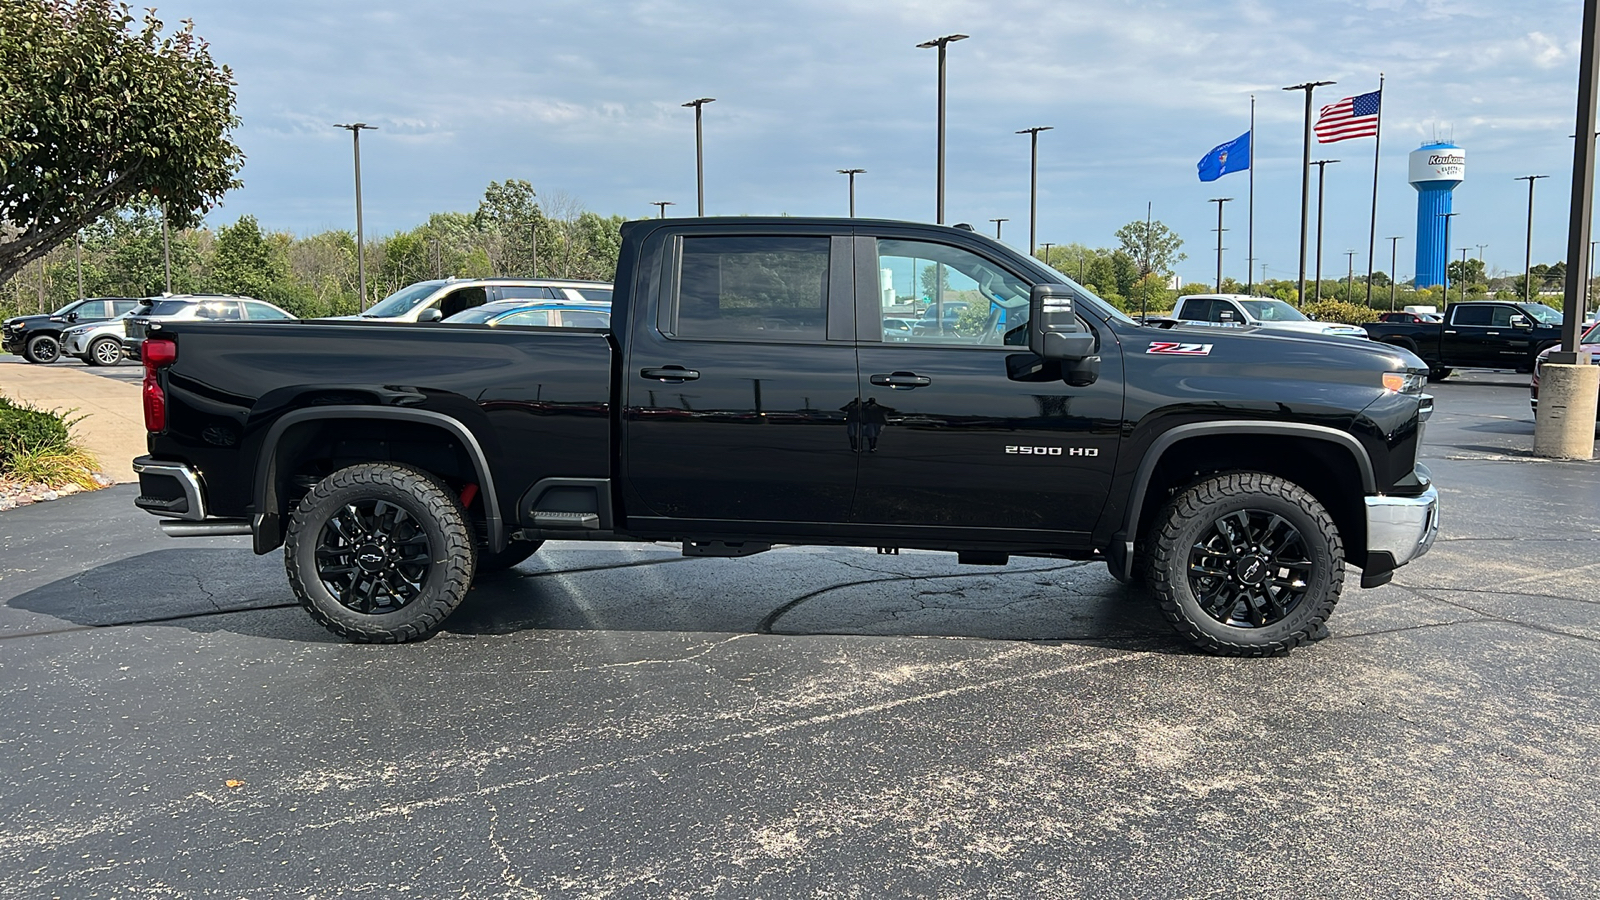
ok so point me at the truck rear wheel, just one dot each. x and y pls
(379, 553)
(1247, 564)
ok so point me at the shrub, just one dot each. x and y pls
(1340, 311)
(36, 446)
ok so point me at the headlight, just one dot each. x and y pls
(1404, 382)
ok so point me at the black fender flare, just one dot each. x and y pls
(1121, 551)
(266, 499)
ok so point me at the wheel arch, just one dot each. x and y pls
(271, 480)
(1331, 464)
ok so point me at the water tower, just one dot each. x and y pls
(1436, 169)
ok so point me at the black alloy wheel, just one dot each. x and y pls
(379, 553)
(1250, 569)
(1246, 564)
(105, 352)
(373, 557)
(42, 349)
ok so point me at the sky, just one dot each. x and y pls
(582, 99)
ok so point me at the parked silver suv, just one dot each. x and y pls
(198, 307)
(433, 301)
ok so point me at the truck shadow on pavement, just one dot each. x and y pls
(792, 593)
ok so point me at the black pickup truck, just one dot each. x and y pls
(1477, 334)
(748, 393)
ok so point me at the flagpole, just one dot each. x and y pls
(1250, 240)
(1372, 234)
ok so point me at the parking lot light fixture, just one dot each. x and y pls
(852, 173)
(997, 224)
(1305, 178)
(1033, 182)
(1527, 259)
(941, 43)
(355, 130)
(700, 152)
(662, 205)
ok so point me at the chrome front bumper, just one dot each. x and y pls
(1403, 527)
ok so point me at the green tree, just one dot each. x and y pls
(245, 262)
(1472, 273)
(1154, 247)
(96, 114)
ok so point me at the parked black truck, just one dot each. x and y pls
(749, 394)
(1478, 334)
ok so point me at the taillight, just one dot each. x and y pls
(157, 354)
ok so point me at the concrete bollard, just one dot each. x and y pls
(1565, 425)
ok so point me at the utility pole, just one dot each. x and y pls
(1527, 258)
(1047, 246)
(1480, 256)
(852, 173)
(1305, 177)
(941, 43)
(662, 205)
(1219, 201)
(997, 227)
(1464, 278)
(361, 247)
(1394, 277)
(1033, 184)
(1322, 167)
(700, 151)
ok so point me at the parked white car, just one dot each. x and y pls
(434, 301)
(198, 307)
(100, 343)
(1260, 312)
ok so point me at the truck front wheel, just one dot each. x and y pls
(379, 553)
(1246, 564)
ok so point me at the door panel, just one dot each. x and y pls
(949, 438)
(736, 398)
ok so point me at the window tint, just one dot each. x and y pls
(579, 318)
(1195, 310)
(218, 310)
(465, 298)
(258, 312)
(118, 307)
(526, 292)
(1471, 315)
(753, 288)
(527, 317)
(169, 307)
(957, 296)
(92, 309)
(602, 294)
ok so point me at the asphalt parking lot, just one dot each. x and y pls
(619, 721)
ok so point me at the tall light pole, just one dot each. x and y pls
(1322, 168)
(700, 151)
(852, 173)
(1394, 277)
(1219, 201)
(355, 130)
(1047, 246)
(997, 227)
(1447, 217)
(1527, 258)
(1480, 256)
(1033, 183)
(1464, 279)
(1305, 176)
(941, 43)
(1350, 275)
(662, 205)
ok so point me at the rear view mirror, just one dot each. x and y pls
(1053, 328)
(431, 314)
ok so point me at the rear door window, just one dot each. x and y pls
(262, 312)
(753, 289)
(1472, 315)
(524, 292)
(1195, 310)
(526, 317)
(218, 310)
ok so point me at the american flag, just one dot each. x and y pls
(1352, 117)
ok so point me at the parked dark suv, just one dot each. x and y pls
(38, 338)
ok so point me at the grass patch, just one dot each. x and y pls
(37, 447)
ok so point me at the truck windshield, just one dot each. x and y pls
(1272, 311)
(1544, 314)
(402, 301)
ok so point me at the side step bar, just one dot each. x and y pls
(206, 528)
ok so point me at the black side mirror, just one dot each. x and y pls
(1522, 323)
(1053, 329)
(72, 317)
(431, 314)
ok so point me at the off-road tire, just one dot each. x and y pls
(439, 516)
(42, 349)
(104, 352)
(514, 552)
(1195, 512)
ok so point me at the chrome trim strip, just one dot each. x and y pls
(191, 487)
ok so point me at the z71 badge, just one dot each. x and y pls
(1173, 348)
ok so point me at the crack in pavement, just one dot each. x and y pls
(771, 618)
(1543, 629)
